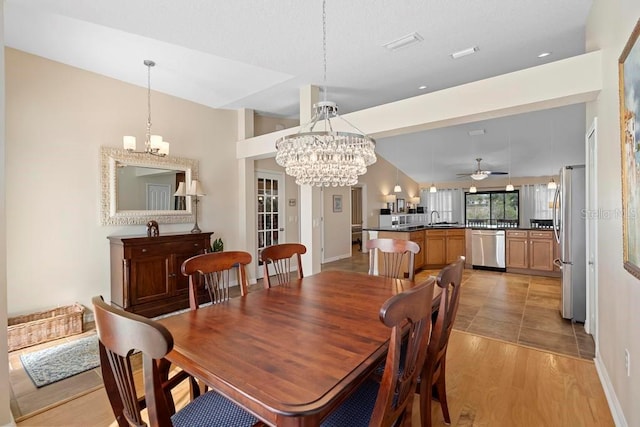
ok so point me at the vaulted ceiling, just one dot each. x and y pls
(257, 54)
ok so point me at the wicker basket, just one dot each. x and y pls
(36, 328)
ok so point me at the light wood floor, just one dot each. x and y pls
(490, 383)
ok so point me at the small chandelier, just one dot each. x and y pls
(317, 155)
(153, 144)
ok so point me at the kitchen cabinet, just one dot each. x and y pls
(531, 251)
(444, 246)
(418, 237)
(435, 246)
(145, 271)
(517, 243)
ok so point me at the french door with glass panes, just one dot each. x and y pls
(270, 212)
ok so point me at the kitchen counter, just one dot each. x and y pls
(407, 228)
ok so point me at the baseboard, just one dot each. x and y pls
(609, 392)
(337, 258)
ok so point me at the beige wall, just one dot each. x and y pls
(380, 180)
(268, 124)
(609, 26)
(57, 118)
(337, 225)
(5, 412)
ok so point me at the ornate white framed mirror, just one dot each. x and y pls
(139, 187)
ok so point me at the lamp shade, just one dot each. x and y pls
(129, 143)
(433, 189)
(391, 198)
(196, 189)
(552, 185)
(180, 191)
(473, 189)
(509, 187)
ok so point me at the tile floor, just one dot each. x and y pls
(516, 308)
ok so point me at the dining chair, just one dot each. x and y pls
(392, 253)
(213, 271)
(121, 333)
(433, 371)
(280, 256)
(390, 401)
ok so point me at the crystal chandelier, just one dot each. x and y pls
(317, 155)
(153, 144)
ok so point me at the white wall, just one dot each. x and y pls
(57, 118)
(609, 26)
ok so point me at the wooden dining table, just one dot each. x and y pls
(288, 354)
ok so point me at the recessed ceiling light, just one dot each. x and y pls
(543, 54)
(407, 40)
(464, 52)
(476, 132)
(422, 87)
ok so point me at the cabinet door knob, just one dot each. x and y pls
(196, 244)
(144, 250)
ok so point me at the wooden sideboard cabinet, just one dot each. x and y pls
(145, 271)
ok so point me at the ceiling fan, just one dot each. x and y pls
(480, 174)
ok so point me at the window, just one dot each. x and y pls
(447, 202)
(492, 208)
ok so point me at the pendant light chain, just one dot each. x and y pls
(149, 64)
(324, 157)
(324, 49)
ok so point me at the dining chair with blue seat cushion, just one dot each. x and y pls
(120, 334)
(390, 402)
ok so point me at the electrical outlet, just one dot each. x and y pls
(627, 362)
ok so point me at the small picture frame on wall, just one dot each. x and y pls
(337, 203)
(400, 205)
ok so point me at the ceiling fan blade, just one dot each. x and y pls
(497, 173)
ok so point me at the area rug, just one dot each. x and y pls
(62, 361)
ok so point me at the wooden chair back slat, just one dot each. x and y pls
(433, 371)
(213, 271)
(280, 257)
(119, 334)
(392, 253)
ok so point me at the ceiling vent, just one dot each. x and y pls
(405, 41)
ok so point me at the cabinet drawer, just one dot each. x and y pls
(516, 233)
(165, 249)
(541, 234)
(455, 232)
(435, 233)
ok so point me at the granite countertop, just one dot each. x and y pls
(408, 228)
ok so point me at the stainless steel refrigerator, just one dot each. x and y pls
(569, 224)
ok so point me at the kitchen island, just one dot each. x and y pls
(527, 250)
(440, 244)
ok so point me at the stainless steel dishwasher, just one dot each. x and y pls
(488, 249)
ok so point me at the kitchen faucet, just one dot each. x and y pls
(435, 212)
